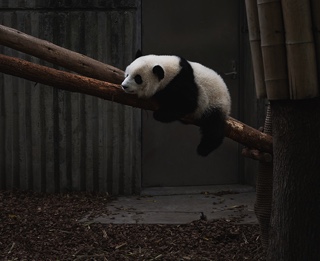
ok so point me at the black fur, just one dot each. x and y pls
(180, 97)
(138, 54)
(158, 71)
(212, 125)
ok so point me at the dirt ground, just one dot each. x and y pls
(46, 227)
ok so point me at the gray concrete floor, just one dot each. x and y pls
(182, 205)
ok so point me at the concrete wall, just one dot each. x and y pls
(52, 140)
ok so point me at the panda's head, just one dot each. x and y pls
(148, 74)
(143, 76)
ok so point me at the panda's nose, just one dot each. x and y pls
(124, 87)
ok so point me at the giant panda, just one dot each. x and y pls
(183, 89)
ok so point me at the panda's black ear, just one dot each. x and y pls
(157, 70)
(138, 54)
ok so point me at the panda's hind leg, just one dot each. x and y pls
(212, 125)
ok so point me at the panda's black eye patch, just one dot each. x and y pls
(138, 79)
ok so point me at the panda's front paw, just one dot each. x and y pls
(164, 116)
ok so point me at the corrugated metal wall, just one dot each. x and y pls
(52, 140)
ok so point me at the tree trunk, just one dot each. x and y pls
(295, 221)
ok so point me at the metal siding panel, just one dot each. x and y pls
(21, 121)
(88, 139)
(7, 121)
(23, 20)
(8, 133)
(84, 4)
(2, 132)
(35, 139)
(55, 140)
(48, 104)
(109, 141)
(47, 131)
(28, 133)
(3, 115)
(90, 31)
(127, 171)
(76, 141)
(115, 153)
(116, 49)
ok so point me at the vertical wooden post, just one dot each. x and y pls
(273, 49)
(315, 14)
(302, 66)
(255, 46)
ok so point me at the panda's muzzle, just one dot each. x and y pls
(124, 87)
(127, 89)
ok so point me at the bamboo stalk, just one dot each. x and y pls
(273, 49)
(235, 130)
(60, 56)
(302, 67)
(315, 10)
(255, 45)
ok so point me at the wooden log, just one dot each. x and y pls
(301, 55)
(273, 49)
(60, 56)
(255, 46)
(256, 155)
(235, 130)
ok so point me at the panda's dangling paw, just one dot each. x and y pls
(203, 150)
(206, 146)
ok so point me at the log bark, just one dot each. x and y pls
(60, 56)
(295, 226)
(235, 130)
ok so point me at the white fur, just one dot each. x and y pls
(143, 66)
(213, 91)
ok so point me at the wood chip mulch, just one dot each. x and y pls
(46, 227)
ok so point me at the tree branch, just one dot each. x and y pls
(235, 130)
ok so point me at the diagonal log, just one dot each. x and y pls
(55, 54)
(235, 130)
